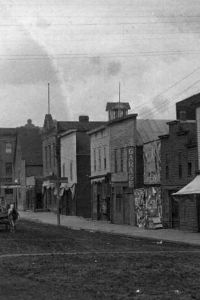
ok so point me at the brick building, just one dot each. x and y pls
(52, 130)
(179, 164)
(186, 109)
(28, 166)
(7, 147)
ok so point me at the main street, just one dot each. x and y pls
(43, 261)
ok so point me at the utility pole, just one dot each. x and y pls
(57, 180)
(119, 102)
(48, 98)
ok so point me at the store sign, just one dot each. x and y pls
(131, 167)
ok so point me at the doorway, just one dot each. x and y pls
(175, 211)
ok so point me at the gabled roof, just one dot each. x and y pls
(7, 131)
(117, 105)
(150, 130)
(30, 143)
(81, 126)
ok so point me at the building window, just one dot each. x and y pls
(49, 154)
(71, 170)
(8, 191)
(167, 172)
(122, 159)
(99, 158)
(180, 173)
(8, 169)
(46, 157)
(63, 170)
(95, 160)
(104, 159)
(115, 160)
(8, 148)
(189, 169)
(54, 155)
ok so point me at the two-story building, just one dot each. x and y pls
(53, 132)
(148, 202)
(113, 168)
(28, 167)
(179, 164)
(125, 167)
(75, 165)
(7, 148)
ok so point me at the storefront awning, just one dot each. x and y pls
(49, 185)
(99, 179)
(191, 188)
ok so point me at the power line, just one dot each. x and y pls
(101, 24)
(110, 54)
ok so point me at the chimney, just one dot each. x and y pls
(198, 134)
(182, 115)
(83, 119)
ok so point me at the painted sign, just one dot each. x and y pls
(131, 167)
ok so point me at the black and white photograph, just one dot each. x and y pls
(99, 149)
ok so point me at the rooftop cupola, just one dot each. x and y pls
(117, 110)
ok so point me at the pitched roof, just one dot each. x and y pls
(7, 131)
(115, 105)
(82, 126)
(31, 144)
(150, 130)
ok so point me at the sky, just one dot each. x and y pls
(84, 48)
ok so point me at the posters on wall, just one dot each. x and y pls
(148, 207)
(152, 162)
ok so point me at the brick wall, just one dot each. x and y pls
(171, 148)
(188, 213)
(180, 140)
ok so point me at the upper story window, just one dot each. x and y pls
(46, 157)
(8, 169)
(71, 170)
(115, 160)
(167, 172)
(95, 161)
(63, 170)
(122, 159)
(180, 172)
(189, 169)
(49, 154)
(99, 158)
(8, 148)
(104, 159)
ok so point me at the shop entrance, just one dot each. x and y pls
(175, 215)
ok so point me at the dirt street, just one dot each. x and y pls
(46, 262)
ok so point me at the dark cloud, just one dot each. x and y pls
(114, 68)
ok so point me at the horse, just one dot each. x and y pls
(13, 216)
